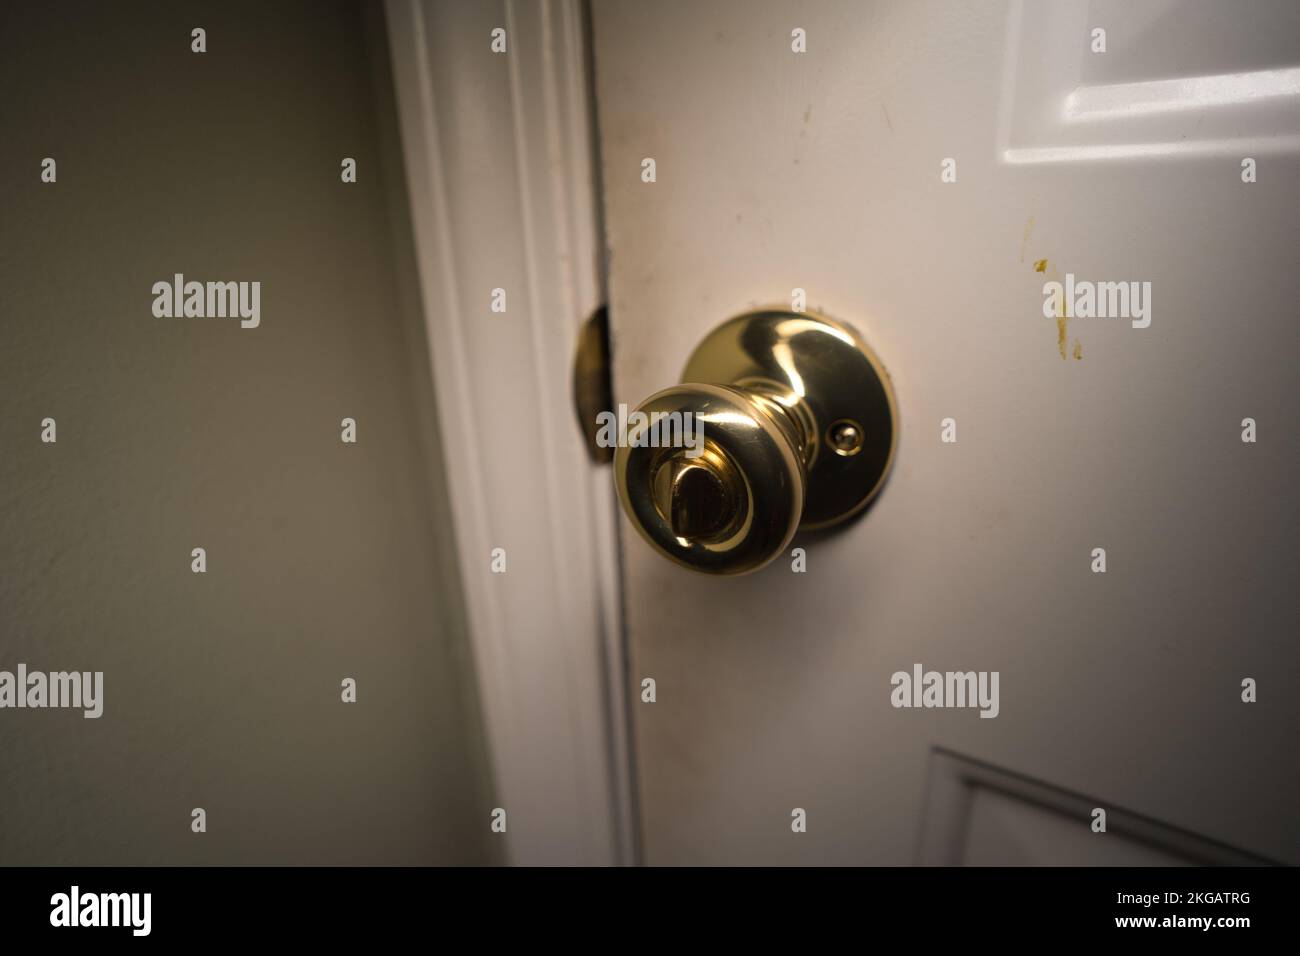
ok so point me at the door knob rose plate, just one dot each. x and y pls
(791, 422)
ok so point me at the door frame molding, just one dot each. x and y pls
(548, 652)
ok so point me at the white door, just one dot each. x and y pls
(922, 170)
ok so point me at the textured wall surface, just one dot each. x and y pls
(325, 560)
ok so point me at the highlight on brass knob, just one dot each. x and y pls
(784, 420)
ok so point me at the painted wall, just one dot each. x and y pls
(324, 560)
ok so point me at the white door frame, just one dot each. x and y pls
(498, 150)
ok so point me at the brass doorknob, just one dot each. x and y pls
(784, 420)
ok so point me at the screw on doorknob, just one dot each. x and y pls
(785, 419)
